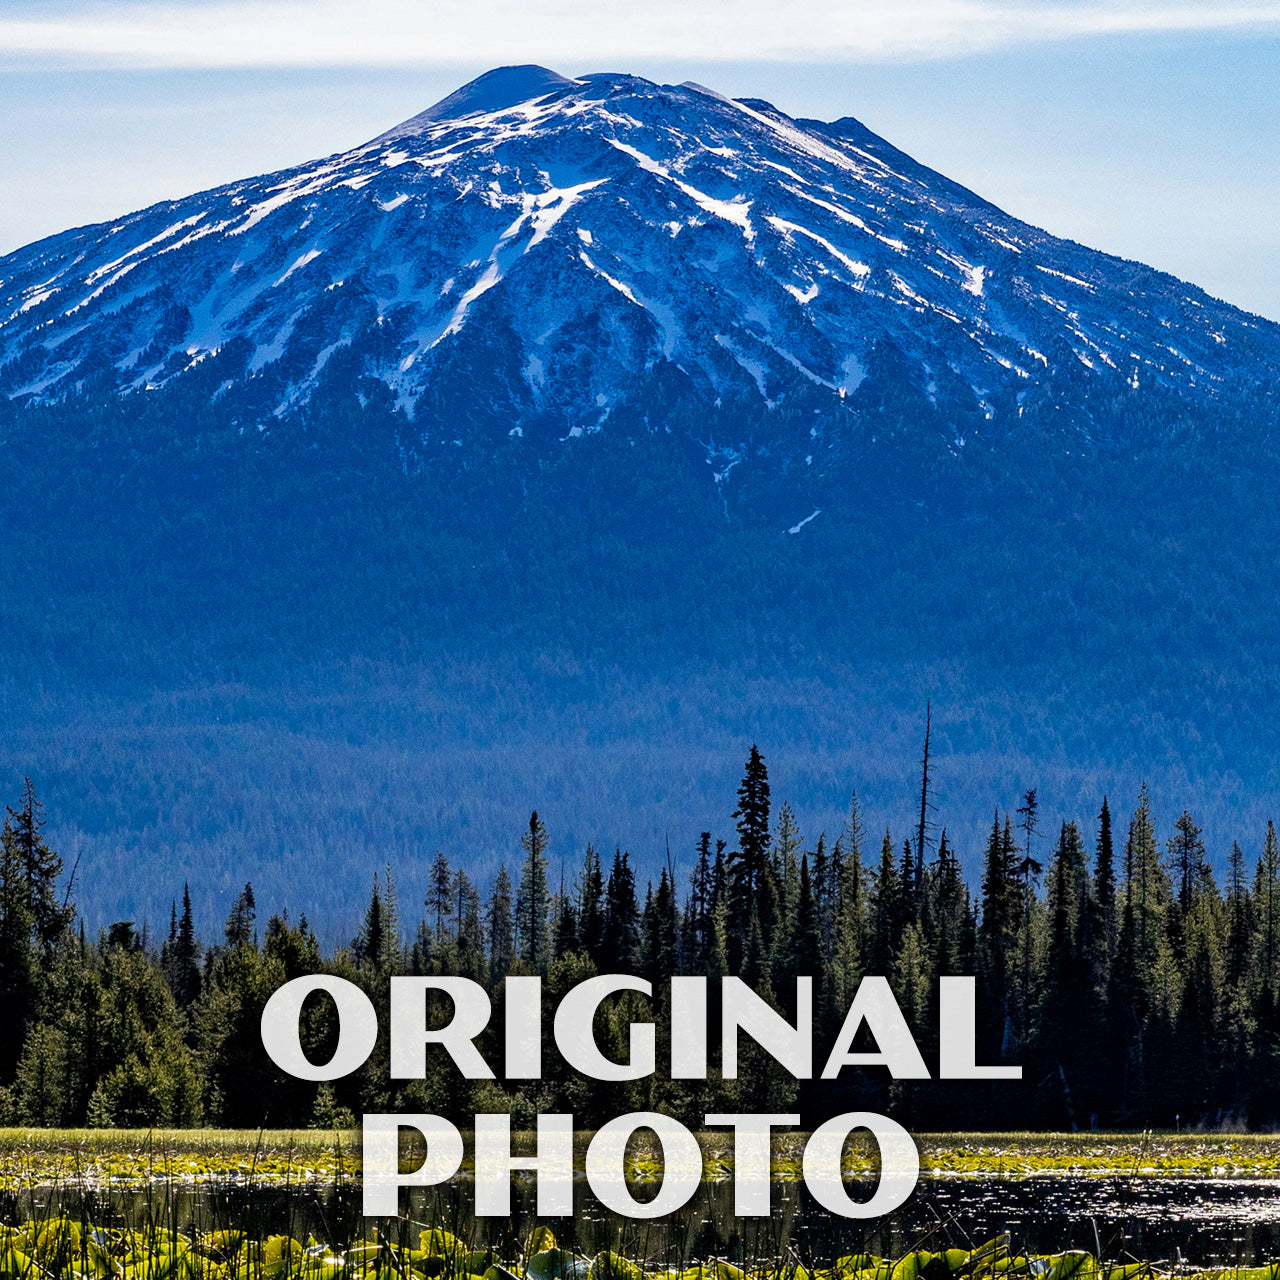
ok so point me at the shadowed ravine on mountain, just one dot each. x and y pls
(554, 446)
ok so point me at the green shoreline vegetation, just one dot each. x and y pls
(125, 1158)
(62, 1248)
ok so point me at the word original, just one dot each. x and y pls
(742, 1012)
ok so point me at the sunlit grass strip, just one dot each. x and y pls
(190, 1140)
(128, 1158)
(132, 1157)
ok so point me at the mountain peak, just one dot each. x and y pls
(579, 239)
(494, 90)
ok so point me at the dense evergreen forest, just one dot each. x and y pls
(1132, 988)
(231, 655)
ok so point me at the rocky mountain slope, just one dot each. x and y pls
(542, 255)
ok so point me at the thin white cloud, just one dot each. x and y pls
(236, 33)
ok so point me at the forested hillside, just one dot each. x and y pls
(275, 673)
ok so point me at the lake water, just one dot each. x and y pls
(1208, 1223)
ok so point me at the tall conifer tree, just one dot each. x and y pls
(533, 899)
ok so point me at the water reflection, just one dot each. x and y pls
(1197, 1221)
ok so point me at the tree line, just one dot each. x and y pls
(1131, 987)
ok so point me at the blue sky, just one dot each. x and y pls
(1148, 128)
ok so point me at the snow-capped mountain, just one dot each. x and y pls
(542, 250)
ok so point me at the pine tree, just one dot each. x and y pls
(294, 948)
(1197, 1045)
(621, 914)
(171, 941)
(998, 895)
(1241, 925)
(591, 921)
(467, 927)
(1187, 860)
(785, 868)
(1104, 892)
(717, 965)
(805, 955)
(922, 831)
(184, 972)
(439, 899)
(910, 978)
(886, 899)
(19, 962)
(1029, 869)
(369, 946)
(824, 879)
(1147, 889)
(997, 930)
(533, 899)
(659, 931)
(846, 942)
(1141, 974)
(1239, 1020)
(502, 949)
(239, 927)
(1266, 894)
(391, 957)
(910, 888)
(41, 868)
(948, 910)
(751, 881)
(699, 923)
(1066, 979)
(1066, 874)
(757, 970)
(567, 940)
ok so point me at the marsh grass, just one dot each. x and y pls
(158, 1240)
(274, 1205)
(135, 1157)
(130, 1157)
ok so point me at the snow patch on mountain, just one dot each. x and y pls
(573, 236)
